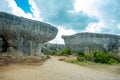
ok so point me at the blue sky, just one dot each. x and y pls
(24, 4)
(69, 16)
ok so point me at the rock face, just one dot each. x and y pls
(23, 36)
(49, 47)
(88, 42)
(2, 45)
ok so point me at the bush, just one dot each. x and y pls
(105, 57)
(102, 57)
(115, 56)
(89, 57)
(54, 52)
(79, 58)
(95, 53)
(66, 51)
(80, 54)
(98, 57)
(113, 61)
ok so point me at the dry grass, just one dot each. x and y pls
(8, 59)
(62, 58)
(115, 56)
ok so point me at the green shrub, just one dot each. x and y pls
(89, 57)
(95, 53)
(115, 56)
(102, 57)
(105, 57)
(112, 61)
(98, 57)
(80, 54)
(54, 52)
(66, 51)
(80, 58)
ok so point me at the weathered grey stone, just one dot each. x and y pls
(89, 42)
(23, 35)
(49, 47)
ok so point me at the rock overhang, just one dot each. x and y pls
(27, 28)
(24, 36)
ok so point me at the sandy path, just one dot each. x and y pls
(54, 70)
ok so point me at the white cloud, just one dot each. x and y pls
(95, 27)
(10, 6)
(119, 26)
(35, 10)
(62, 31)
(90, 8)
(17, 10)
(86, 6)
(106, 11)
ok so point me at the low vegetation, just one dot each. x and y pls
(54, 52)
(63, 52)
(74, 60)
(114, 68)
(99, 57)
(102, 57)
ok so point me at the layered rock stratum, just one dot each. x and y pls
(89, 42)
(22, 36)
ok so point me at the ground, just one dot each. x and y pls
(53, 69)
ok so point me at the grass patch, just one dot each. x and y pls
(114, 68)
(74, 60)
(93, 65)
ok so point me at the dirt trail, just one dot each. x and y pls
(54, 70)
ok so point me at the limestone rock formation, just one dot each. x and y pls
(88, 42)
(49, 47)
(23, 36)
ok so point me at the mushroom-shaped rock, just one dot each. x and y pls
(22, 35)
(89, 42)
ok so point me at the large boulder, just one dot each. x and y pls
(49, 47)
(22, 36)
(89, 42)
